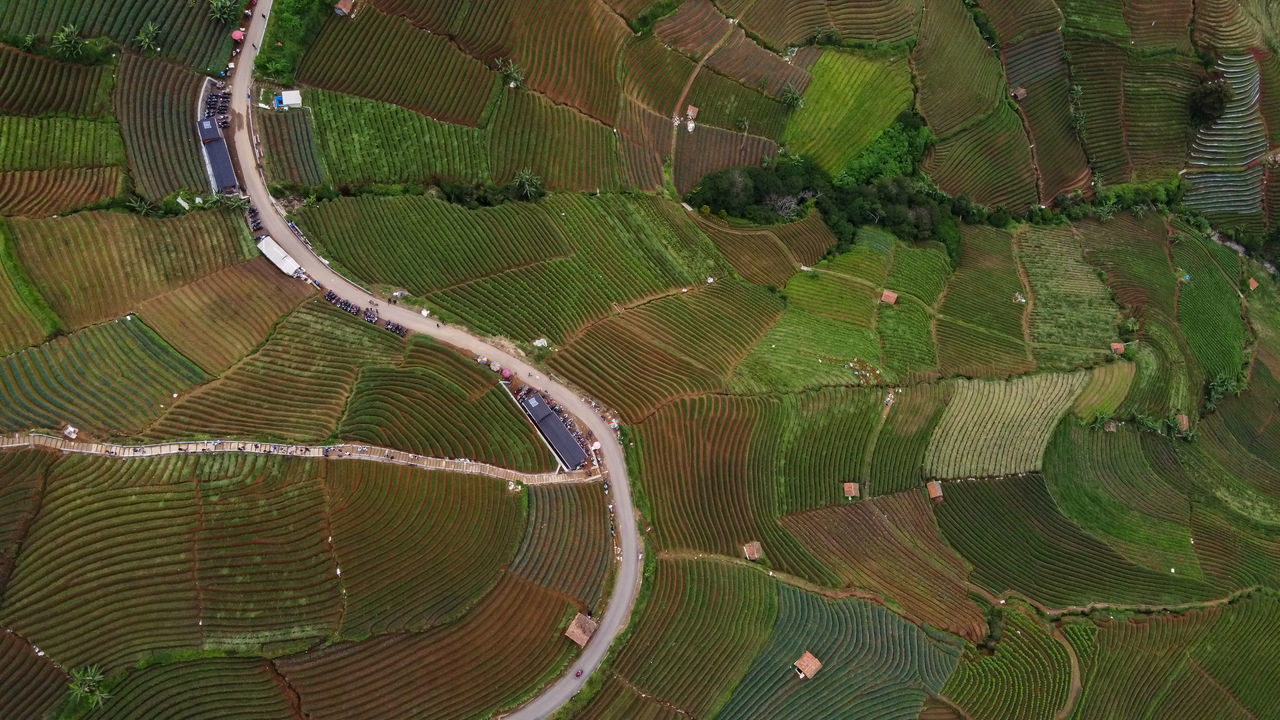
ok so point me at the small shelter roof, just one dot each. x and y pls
(888, 296)
(935, 489)
(808, 665)
(291, 99)
(1184, 424)
(753, 550)
(1019, 94)
(691, 112)
(581, 629)
(1253, 284)
(1110, 426)
(277, 255)
(851, 489)
(71, 431)
(344, 7)
(1117, 348)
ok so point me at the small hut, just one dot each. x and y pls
(71, 432)
(1117, 348)
(850, 490)
(1184, 424)
(807, 666)
(935, 490)
(581, 629)
(1253, 284)
(1110, 426)
(889, 296)
(753, 550)
(691, 112)
(344, 7)
(1019, 94)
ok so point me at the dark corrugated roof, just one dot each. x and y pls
(553, 429)
(224, 176)
(209, 130)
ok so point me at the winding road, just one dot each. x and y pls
(627, 579)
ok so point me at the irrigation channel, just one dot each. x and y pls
(627, 579)
(367, 453)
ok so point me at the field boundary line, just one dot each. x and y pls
(340, 451)
(1059, 613)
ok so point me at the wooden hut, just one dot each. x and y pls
(889, 296)
(1019, 94)
(935, 490)
(581, 629)
(1117, 348)
(850, 490)
(753, 550)
(807, 666)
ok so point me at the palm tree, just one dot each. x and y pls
(791, 97)
(66, 42)
(226, 11)
(140, 206)
(512, 74)
(528, 185)
(86, 684)
(147, 36)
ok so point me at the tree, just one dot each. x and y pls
(140, 205)
(66, 42)
(86, 685)
(1208, 101)
(147, 37)
(224, 11)
(527, 185)
(791, 97)
(28, 42)
(512, 74)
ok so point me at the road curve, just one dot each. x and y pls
(627, 579)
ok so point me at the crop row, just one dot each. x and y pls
(187, 32)
(95, 265)
(47, 143)
(41, 193)
(295, 387)
(1239, 136)
(897, 460)
(807, 239)
(998, 427)
(711, 149)
(1016, 539)
(906, 333)
(565, 148)
(672, 346)
(1209, 310)
(1072, 306)
(107, 379)
(834, 296)
(427, 414)
(471, 668)
(289, 146)
(694, 29)
(920, 272)
(804, 350)
(1108, 386)
(654, 75)
(1132, 252)
(22, 476)
(891, 546)
(730, 105)
(1097, 67)
(565, 547)
(203, 689)
(741, 59)
(958, 76)
(1018, 19)
(1160, 23)
(1155, 92)
(417, 549)
(728, 610)
(36, 85)
(156, 103)
(757, 255)
(1027, 677)
(783, 23)
(709, 465)
(1058, 150)
(874, 663)
(830, 434)
(644, 140)
(850, 101)
(1225, 25)
(989, 161)
(33, 685)
(385, 58)
(369, 141)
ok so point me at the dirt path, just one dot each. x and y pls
(1077, 682)
(688, 84)
(332, 452)
(1057, 613)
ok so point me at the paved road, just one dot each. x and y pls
(627, 582)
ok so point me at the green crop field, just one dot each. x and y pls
(897, 461)
(289, 145)
(959, 77)
(97, 265)
(1209, 309)
(360, 140)
(47, 143)
(1072, 316)
(988, 161)
(36, 85)
(803, 350)
(156, 104)
(1027, 677)
(981, 330)
(40, 193)
(850, 100)
(564, 546)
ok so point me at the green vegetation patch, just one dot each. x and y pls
(849, 102)
(1073, 318)
(1027, 677)
(54, 142)
(802, 350)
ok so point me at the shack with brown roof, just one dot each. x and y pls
(889, 296)
(807, 666)
(935, 490)
(581, 629)
(851, 490)
(753, 550)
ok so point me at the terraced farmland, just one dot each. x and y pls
(289, 146)
(793, 22)
(456, 90)
(959, 77)
(568, 150)
(41, 193)
(97, 265)
(25, 317)
(232, 688)
(1209, 310)
(1038, 65)
(109, 379)
(462, 530)
(994, 427)
(897, 461)
(873, 662)
(188, 34)
(156, 104)
(36, 85)
(565, 547)
(49, 143)
(33, 683)
(1027, 677)
(988, 161)
(708, 150)
(981, 328)
(851, 99)
(1072, 316)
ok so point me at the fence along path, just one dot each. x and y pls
(333, 452)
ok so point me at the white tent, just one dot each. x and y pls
(291, 99)
(278, 256)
